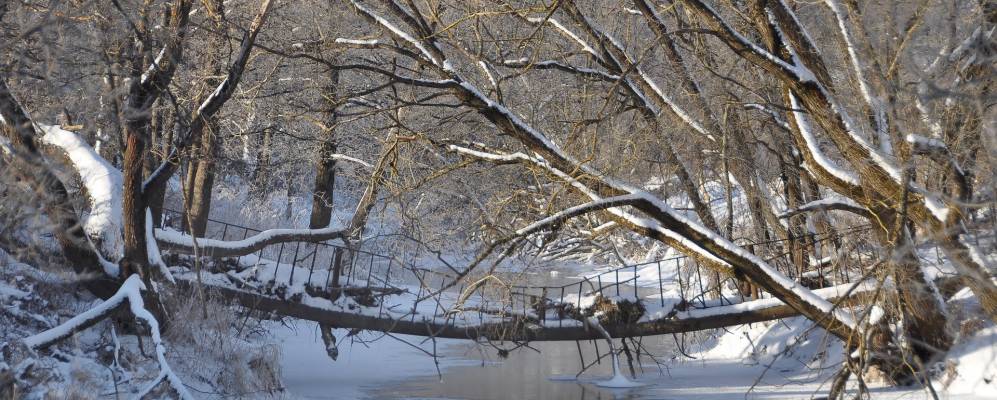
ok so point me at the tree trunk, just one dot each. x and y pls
(261, 171)
(924, 320)
(187, 190)
(136, 257)
(325, 183)
(796, 245)
(325, 170)
(156, 193)
(918, 305)
(203, 181)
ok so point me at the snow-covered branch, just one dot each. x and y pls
(643, 88)
(361, 43)
(397, 32)
(813, 154)
(103, 185)
(130, 290)
(525, 63)
(581, 209)
(812, 95)
(213, 103)
(165, 371)
(173, 240)
(859, 67)
(771, 113)
(344, 157)
(840, 204)
(158, 74)
(643, 225)
(934, 148)
(588, 48)
(83, 320)
(152, 248)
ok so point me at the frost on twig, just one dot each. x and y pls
(131, 291)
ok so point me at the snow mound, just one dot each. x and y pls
(976, 360)
(792, 340)
(619, 381)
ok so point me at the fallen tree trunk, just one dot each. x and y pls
(683, 321)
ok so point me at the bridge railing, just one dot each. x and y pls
(358, 265)
(312, 266)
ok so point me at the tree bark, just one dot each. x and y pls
(136, 257)
(325, 165)
(261, 171)
(203, 182)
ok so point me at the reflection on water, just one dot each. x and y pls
(547, 371)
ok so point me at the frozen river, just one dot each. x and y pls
(390, 369)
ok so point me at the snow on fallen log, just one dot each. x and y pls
(103, 184)
(171, 239)
(131, 291)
